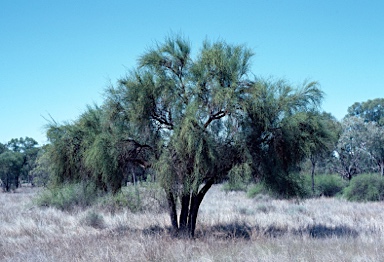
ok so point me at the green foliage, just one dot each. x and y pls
(238, 178)
(92, 149)
(278, 133)
(41, 171)
(365, 187)
(258, 189)
(68, 196)
(293, 186)
(288, 186)
(11, 164)
(329, 185)
(352, 158)
(17, 158)
(129, 197)
(369, 111)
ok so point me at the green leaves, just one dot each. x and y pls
(371, 110)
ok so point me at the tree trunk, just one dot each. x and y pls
(172, 211)
(183, 219)
(194, 209)
(190, 204)
(382, 169)
(196, 200)
(313, 174)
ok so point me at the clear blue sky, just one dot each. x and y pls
(58, 56)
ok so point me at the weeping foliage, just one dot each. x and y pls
(278, 131)
(92, 149)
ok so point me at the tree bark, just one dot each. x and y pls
(193, 215)
(313, 174)
(382, 169)
(172, 211)
(183, 219)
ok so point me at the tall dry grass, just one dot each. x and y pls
(231, 227)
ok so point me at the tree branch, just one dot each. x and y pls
(216, 116)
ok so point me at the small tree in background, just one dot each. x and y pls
(17, 157)
(11, 164)
(352, 157)
(374, 145)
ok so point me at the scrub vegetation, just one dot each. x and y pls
(232, 227)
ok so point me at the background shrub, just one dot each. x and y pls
(329, 185)
(68, 196)
(93, 219)
(365, 187)
(257, 189)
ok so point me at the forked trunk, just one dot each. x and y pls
(190, 204)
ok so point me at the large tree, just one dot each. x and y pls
(188, 112)
(193, 122)
(205, 120)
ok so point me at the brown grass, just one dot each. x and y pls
(231, 227)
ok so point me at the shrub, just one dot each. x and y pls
(93, 219)
(289, 185)
(366, 187)
(257, 189)
(142, 197)
(238, 179)
(68, 196)
(329, 185)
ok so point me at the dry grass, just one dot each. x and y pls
(231, 227)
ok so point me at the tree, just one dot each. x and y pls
(372, 113)
(186, 111)
(29, 149)
(192, 122)
(193, 115)
(3, 148)
(371, 110)
(352, 157)
(11, 164)
(374, 144)
(324, 133)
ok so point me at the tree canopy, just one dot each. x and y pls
(369, 111)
